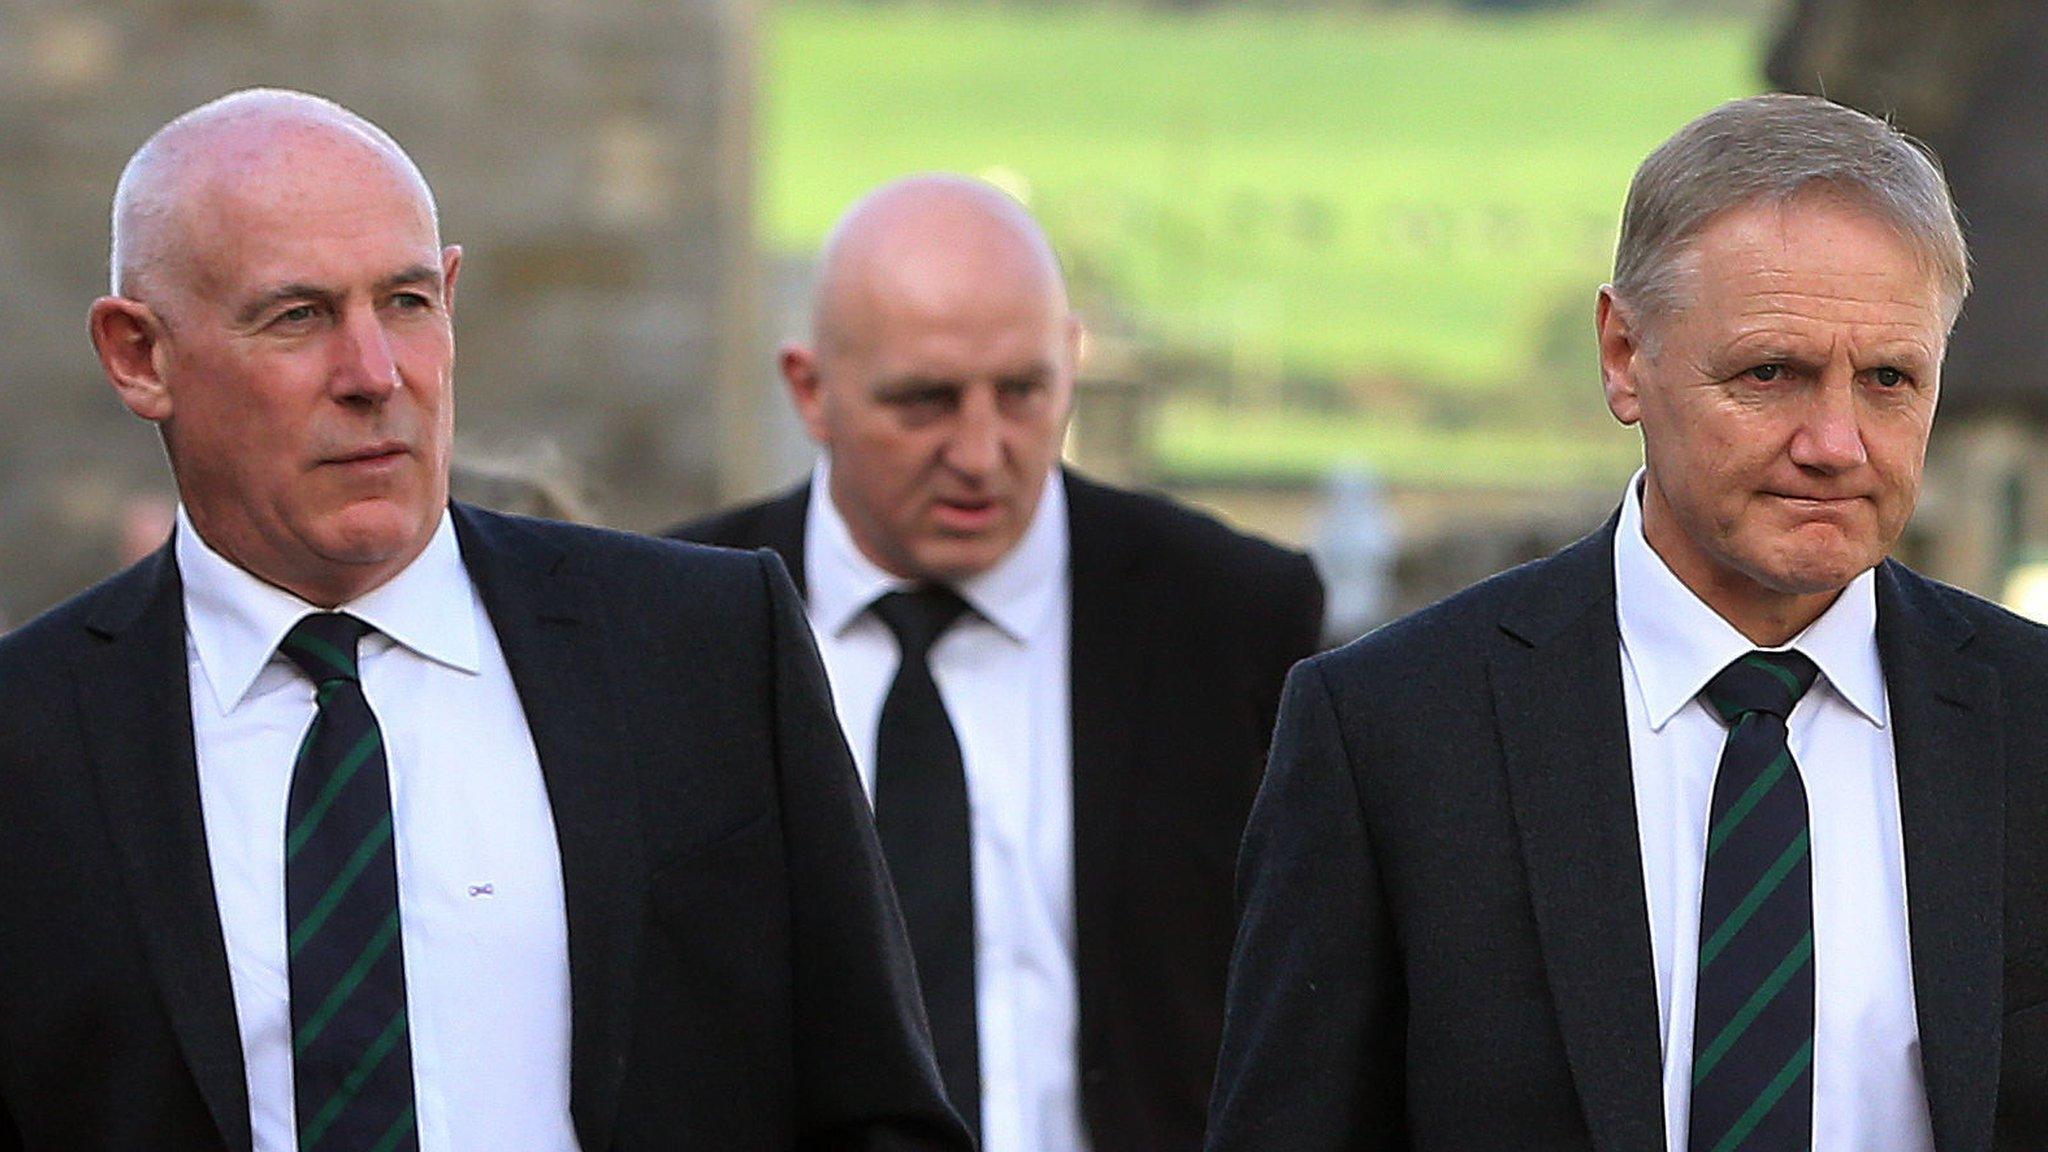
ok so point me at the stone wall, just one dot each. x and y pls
(593, 157)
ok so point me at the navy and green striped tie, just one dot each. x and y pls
(1752, 1067)
(351, 1053)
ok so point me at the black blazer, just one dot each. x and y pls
(738, 973)
(1445, 942)
(1182, 633)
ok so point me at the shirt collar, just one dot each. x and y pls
(1017, 595)
(1676, 643)
(236, 621)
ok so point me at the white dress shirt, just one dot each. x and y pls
(1869, 1095)
(479, 871)
(1002, 671)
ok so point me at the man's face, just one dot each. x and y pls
(306, 365)
(943, 413)
(1785, 405)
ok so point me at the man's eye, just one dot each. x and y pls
(410, 302)
(1767, 372)
(296, 314)
(1889, 377)
(932, 400)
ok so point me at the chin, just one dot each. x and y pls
(949, 564)
(378, 532)
(1818, 575)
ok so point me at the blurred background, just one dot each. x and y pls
(1337, 257)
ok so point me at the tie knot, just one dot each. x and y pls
(1760, 682)
(919, 617)
(323, 645)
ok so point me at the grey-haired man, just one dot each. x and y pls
(1718, 830)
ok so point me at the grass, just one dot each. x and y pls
(1201, 441)
(1297, 195)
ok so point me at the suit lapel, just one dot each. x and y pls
(132, 683)
(1105, 673)
(1556, 681)
(551, 628)
(1947, 716)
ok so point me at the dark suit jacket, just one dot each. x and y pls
(1182, 633)
(1445, 942)
(738, 974)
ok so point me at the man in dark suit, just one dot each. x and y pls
(356, 820)
(1718, 830)
(1096, 702)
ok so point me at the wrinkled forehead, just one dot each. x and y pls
(1778, 232)
(1806, 252)
(272, 207)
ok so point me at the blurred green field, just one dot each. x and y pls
(1421, 197)
(1200, 441)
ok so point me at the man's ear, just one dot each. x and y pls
(451, 263)
(799, 365)
(129, 338)
(1621, 354)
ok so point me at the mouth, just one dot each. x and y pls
(1817, 505)
(369, 457)
(965, 514)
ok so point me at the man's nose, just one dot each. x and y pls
(976, 446)
(364, 365)
(1830, 437)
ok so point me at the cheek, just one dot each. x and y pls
(1030, 446)
(887, 469)
(1901, 446)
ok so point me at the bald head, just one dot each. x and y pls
(940, 374)
(283, 313)
(929, 238)
(231, 141)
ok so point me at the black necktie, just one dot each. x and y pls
(351, 1052)
(1752, 1069)
(921, 817)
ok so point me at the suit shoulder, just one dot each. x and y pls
(721, 528)
(1450, 632)
(33, 643)
(745, 525)
(1187, 537)
(31, 653)
(625, 558)
(1994, 626)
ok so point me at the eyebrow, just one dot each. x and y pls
(299, 290)
(417, 274)
(914, 384)
(1037, 370)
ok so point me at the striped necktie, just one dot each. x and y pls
(1752, 1069)
(351, 1053)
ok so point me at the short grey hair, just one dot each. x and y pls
(1772, 150)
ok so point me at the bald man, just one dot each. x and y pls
(1058, 693)
(354, 819)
